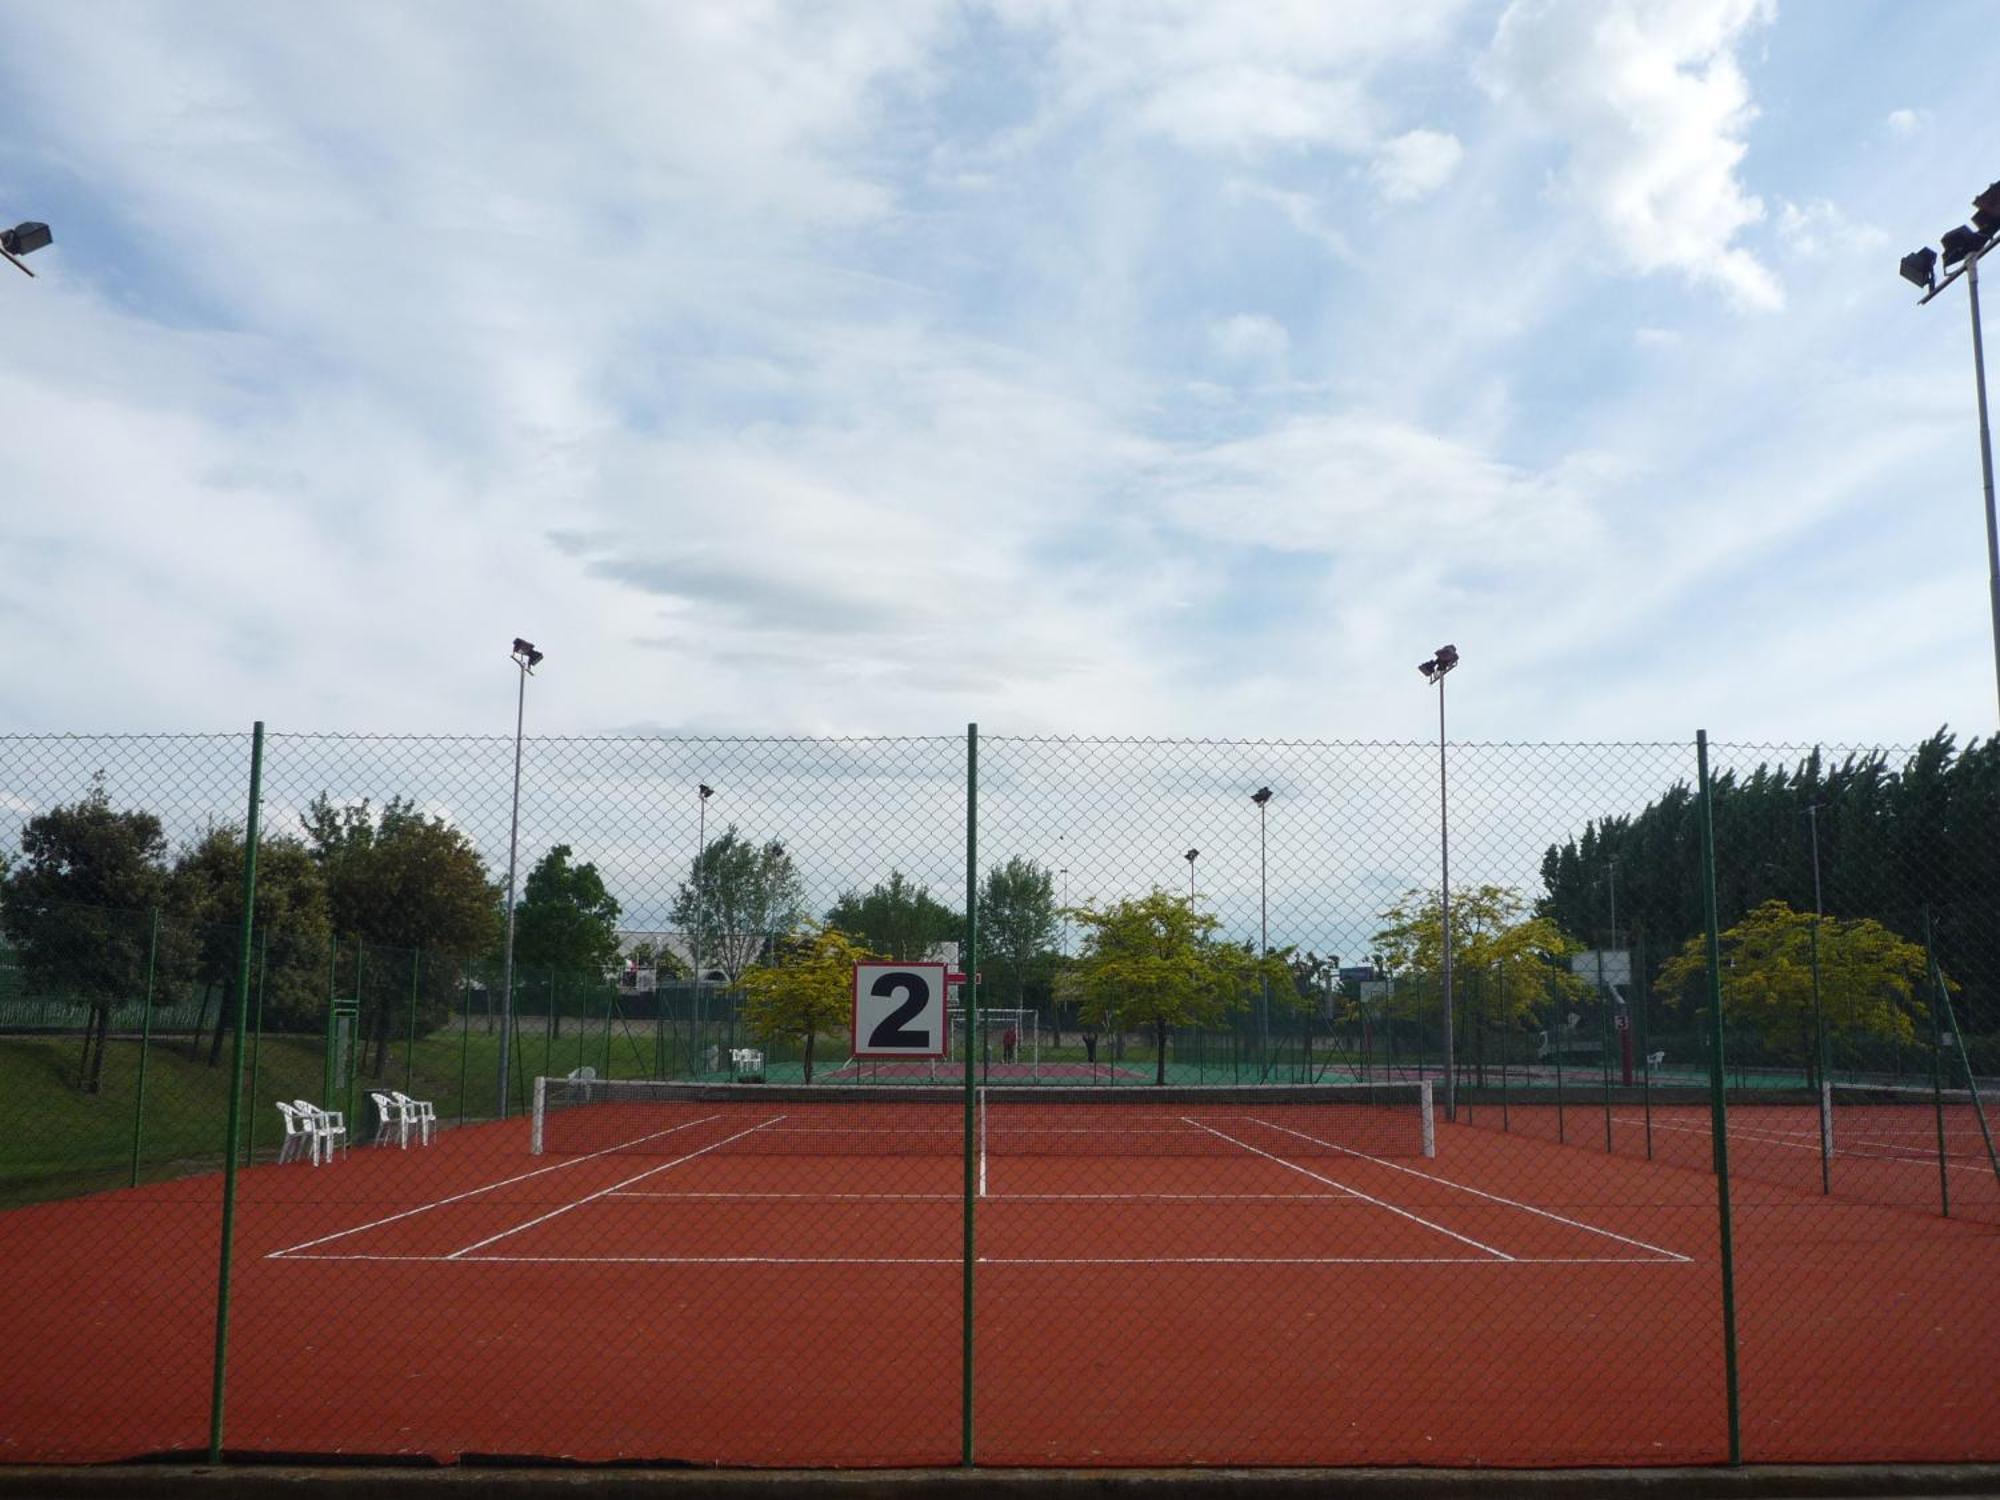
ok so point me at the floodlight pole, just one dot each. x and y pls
(1970, 271)
(1190, 859)
(1444, 902)
(1985, 457)
(1819, 1014)
(513, 845)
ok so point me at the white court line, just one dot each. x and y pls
(1752, 1136)
(1017, 1197)
(1011, 1260)
(475, 1192)
(606, 1192)
(1352, 1192)
(1623, 1239)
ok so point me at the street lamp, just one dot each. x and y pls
(1434, 672)
(24, 239)
(703, 791)
(525, 657)
(1190, 858)
(1262, 797)
(1963, 247)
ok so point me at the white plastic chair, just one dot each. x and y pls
(298, 1133)
(421, 1113)
(748, 1062)
(391, 1115)
(329, 1128)
(580, 1080)
(1654, 1059)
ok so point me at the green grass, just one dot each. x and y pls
(57, 1141)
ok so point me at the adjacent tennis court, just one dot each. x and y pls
(774, 1276)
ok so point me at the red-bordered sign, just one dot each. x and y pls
(899, 1010)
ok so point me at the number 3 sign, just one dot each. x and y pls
(899, 1010)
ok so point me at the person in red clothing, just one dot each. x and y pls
(1009, 1040)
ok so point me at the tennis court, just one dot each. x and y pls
(774, 1276)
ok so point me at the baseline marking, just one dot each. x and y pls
(1624, 1239)
(574, 1161)
(1809, 1141)
(1353, 1192)
(606, 1192)
(1009, 1260)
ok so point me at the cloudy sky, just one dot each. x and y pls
(1098, 368)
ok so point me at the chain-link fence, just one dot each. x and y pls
(1239, 1143)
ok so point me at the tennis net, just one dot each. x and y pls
(647, 1117)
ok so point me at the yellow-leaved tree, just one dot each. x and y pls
(1155, 963)
(1871, 981)
(804, 988)
(1514, 963)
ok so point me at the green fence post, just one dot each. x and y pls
(1937, 1071)
(464, 1043)
(250, 836)
(256, 1047)
(410, 1050)
(1718, 1102)
(971, 968)
(332, 1003)
(145, 1044)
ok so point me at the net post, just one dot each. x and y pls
(250, 839)
(972, 1184)
(1825, 1099)
(1429, 1119)
(145, 1044)
(1718, 1103)
(541, 1114)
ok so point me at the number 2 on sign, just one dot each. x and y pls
(899, 1010)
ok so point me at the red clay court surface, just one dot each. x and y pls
(1260, 1298)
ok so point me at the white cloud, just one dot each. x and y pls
(1819, 228)
(1249, 339)
(1652, 108)
(1904, 123)
(1415, 165)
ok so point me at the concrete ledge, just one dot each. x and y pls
(373, 1482)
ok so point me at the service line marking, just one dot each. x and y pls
(1006, 1260)
(423, 1208)
(1530, 1208)
(1352, 1192)
(606, 1192)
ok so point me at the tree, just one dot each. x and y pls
(737, 899)
(1871, 981)
(1017, 923)
(76, 905)
(400, 879)
(1513, 963)
(805, 989)
(897, 918)
(205, 893)
(566, 919)
(1154, 963)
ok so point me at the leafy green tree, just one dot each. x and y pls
(664, 964)
(1514, 963)
(205, 893)
(401, 880)
(736, 900)
(897, 918)
(76, 907)
(566, 921)
(1018, 925)
(1154, 963)
(1871, 980)
(805, 989)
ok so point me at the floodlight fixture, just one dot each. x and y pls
(1261, 795)
(1919, 268)
(526, 654)
(706, 791)
(1190, 855)
(1959, 243)
(24, 239)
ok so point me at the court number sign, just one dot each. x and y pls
(899, 1010)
